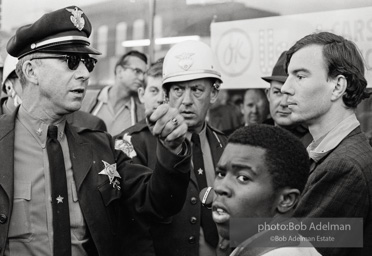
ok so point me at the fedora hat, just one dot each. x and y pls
(279, 74)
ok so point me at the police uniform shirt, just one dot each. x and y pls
(207, 155)
(115, 122)
(31, 228)
(204, 248)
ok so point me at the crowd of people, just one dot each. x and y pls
(122, 170)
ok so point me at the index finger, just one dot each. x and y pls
(153, 116)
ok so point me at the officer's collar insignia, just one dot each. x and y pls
(39, 131)
(126, 146)
(111, 172)
(76, 18)
(185, 61)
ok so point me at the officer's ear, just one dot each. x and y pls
(214, 91)
(29, 69)
(214, 95)
(141, 93)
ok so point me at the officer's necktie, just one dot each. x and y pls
(207, 223)
(61, 216)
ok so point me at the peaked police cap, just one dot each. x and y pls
(63, 31)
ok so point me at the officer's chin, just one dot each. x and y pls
(73, 107)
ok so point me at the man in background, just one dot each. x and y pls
(224, 115)
(118, 105)
(255, 107)
(139, 143)
(11, 89)
(279, 112)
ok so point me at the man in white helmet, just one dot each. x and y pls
(11, 87)
(191, 83)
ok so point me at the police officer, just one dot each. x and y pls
(61, 186)
(12, 88)
(191, 84)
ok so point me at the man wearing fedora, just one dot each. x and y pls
(279, 112)
(61, 186)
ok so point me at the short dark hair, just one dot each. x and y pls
(155, 70)
(342, 57)
(285, 157)
(122, 61)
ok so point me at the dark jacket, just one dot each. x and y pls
(301, 132)
(340, 186)
(138, 240)
(142, 189)
(177, 235)
(86, 120)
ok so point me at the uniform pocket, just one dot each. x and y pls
(109, 193)
(110, 197)
(20, 224)
(76, 216)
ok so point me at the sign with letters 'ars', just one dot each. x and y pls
(246, 50)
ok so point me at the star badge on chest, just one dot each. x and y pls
(59, 199)
(111, 172)
(200, 171)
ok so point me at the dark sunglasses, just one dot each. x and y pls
(73, 61)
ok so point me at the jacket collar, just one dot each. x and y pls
(7, 124)
(314, 164)
(80, 153)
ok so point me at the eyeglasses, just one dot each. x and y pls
(136, 71)
(73, 61)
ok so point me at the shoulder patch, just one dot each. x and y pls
(126, 145)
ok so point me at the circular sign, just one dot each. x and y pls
(234, 52)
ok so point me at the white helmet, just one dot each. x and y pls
(10, 64)
(190, 60)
